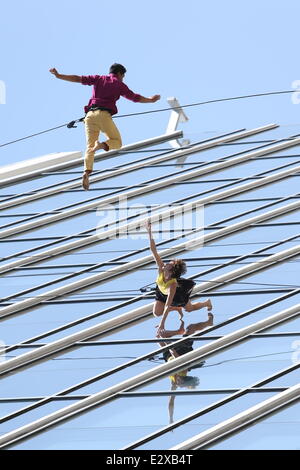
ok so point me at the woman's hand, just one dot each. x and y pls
(160, 331)
(153, 249)
(148, 225)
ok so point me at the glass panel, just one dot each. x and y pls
(290, 326)
(280, 431)
(254, 359)
(32, 185)
(59, 201)
(260, 207)
(250, 168)
(108, 427)
(116, 424)
(50, 178)
(287, 380)
(148, 199)
(88, 220)
(7, 221)
(289, 218)
(215, 213)
(274, 275)
(7, 408)
(102, 164)
(238, 366)
(260, 358)
(206, 421)
(227, 307)
(30, 416)
(34, 243)
(48, 317)
(78, 365)
(104, 189)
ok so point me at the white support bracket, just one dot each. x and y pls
(177, 115)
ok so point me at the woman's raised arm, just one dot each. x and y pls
(153, 249)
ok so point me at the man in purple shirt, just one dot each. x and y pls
(107, 89)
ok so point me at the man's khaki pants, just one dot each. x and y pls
(96, 122)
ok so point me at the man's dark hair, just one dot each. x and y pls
(117, 68)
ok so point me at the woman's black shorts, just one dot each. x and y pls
(177, 302)
(181, 349)
(182, 294)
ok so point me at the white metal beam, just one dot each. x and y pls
(23, 168)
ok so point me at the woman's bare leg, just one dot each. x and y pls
(158, 308)
(179, 310)
(170, 333)
(200, 326)
(189, 307)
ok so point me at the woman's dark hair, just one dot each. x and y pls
(117, 68)
(179, 268)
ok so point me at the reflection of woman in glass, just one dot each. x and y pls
(172, 291)
(181, 379)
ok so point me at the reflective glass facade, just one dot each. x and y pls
(98, 361)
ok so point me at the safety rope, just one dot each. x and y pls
(71, 124)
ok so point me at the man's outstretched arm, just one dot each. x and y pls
(152, 99)
(68, 78)
(137, 98)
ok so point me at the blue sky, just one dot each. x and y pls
(194, 50)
